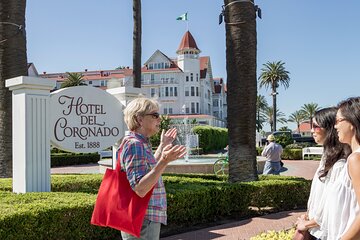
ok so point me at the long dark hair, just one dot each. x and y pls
(333, 149)
(350, 110)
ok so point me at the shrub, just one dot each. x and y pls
(281, 235)
(293, 154)
(211, 138)
(192, 199)
(66, 159)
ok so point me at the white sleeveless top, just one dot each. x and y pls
(341, 206)
(318, 192)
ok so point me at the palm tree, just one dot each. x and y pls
(261, 105)
(13, 63)
(308, 110)
(269, 111)
(242, 90)
(73, 79)
(137, 43)
(297, 117)
(273, 75)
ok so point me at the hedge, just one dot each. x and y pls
(192, 199)
(67, 159)
(211, 138)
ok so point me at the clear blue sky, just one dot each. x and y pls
(319, 41)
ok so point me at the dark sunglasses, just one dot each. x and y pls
(154, 115)
(316, 127)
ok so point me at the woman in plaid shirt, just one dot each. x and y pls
(143, 168)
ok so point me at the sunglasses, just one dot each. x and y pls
(316, 127)
(154, 115)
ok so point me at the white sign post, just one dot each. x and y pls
(31, 137)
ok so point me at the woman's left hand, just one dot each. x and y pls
(168, 137)
(301, 224)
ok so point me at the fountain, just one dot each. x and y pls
(186, 136)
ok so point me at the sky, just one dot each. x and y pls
(319, 41)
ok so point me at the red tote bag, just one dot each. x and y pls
(117, 205)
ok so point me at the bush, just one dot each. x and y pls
(281, 235)
(192, 199)
(211, 138)
(66, 159)
(292, 154)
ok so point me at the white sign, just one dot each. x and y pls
(84, 119)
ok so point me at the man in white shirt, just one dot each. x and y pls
(272, 152)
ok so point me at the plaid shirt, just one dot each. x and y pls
(138, 159)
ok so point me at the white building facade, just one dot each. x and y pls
(184, 85)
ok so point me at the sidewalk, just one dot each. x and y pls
(244, 229)
(237, 230)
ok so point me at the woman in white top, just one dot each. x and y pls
(341, 217)
(331, 163)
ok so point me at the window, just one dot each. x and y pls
(175, 91)
(197, 91)
(171, 91)
(165, 110)
(215, 103)
(197, 77)
(197, 108)
(152, 92)
(162, 92)
(192, 107)
(186, 91)
(90, 82)
(152, 78)
(191, 77)
(170, 110)
(102, 83)
(187, 78)
(192, 91)
(166, 91)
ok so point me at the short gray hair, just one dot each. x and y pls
(138, 107)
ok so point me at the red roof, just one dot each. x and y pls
(204, 63)
(305, 127)
(191, 116)
(187, 42)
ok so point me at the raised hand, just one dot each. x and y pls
(168, 137)
(171, 153)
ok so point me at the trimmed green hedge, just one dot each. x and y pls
(211, 138)
(68, 159)
(192, 199)
(288, 153)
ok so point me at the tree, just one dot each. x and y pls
(261, 105)
(13, 63)
(137, 43)
(270, 119)
(308, 110)
(273, 75)
(297, 117)
(73, 79)
(240, 19)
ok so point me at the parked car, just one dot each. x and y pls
(296, 137)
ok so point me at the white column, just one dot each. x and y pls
(31, 136)
(124, 95)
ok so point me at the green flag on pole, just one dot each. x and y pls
(182, 17)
